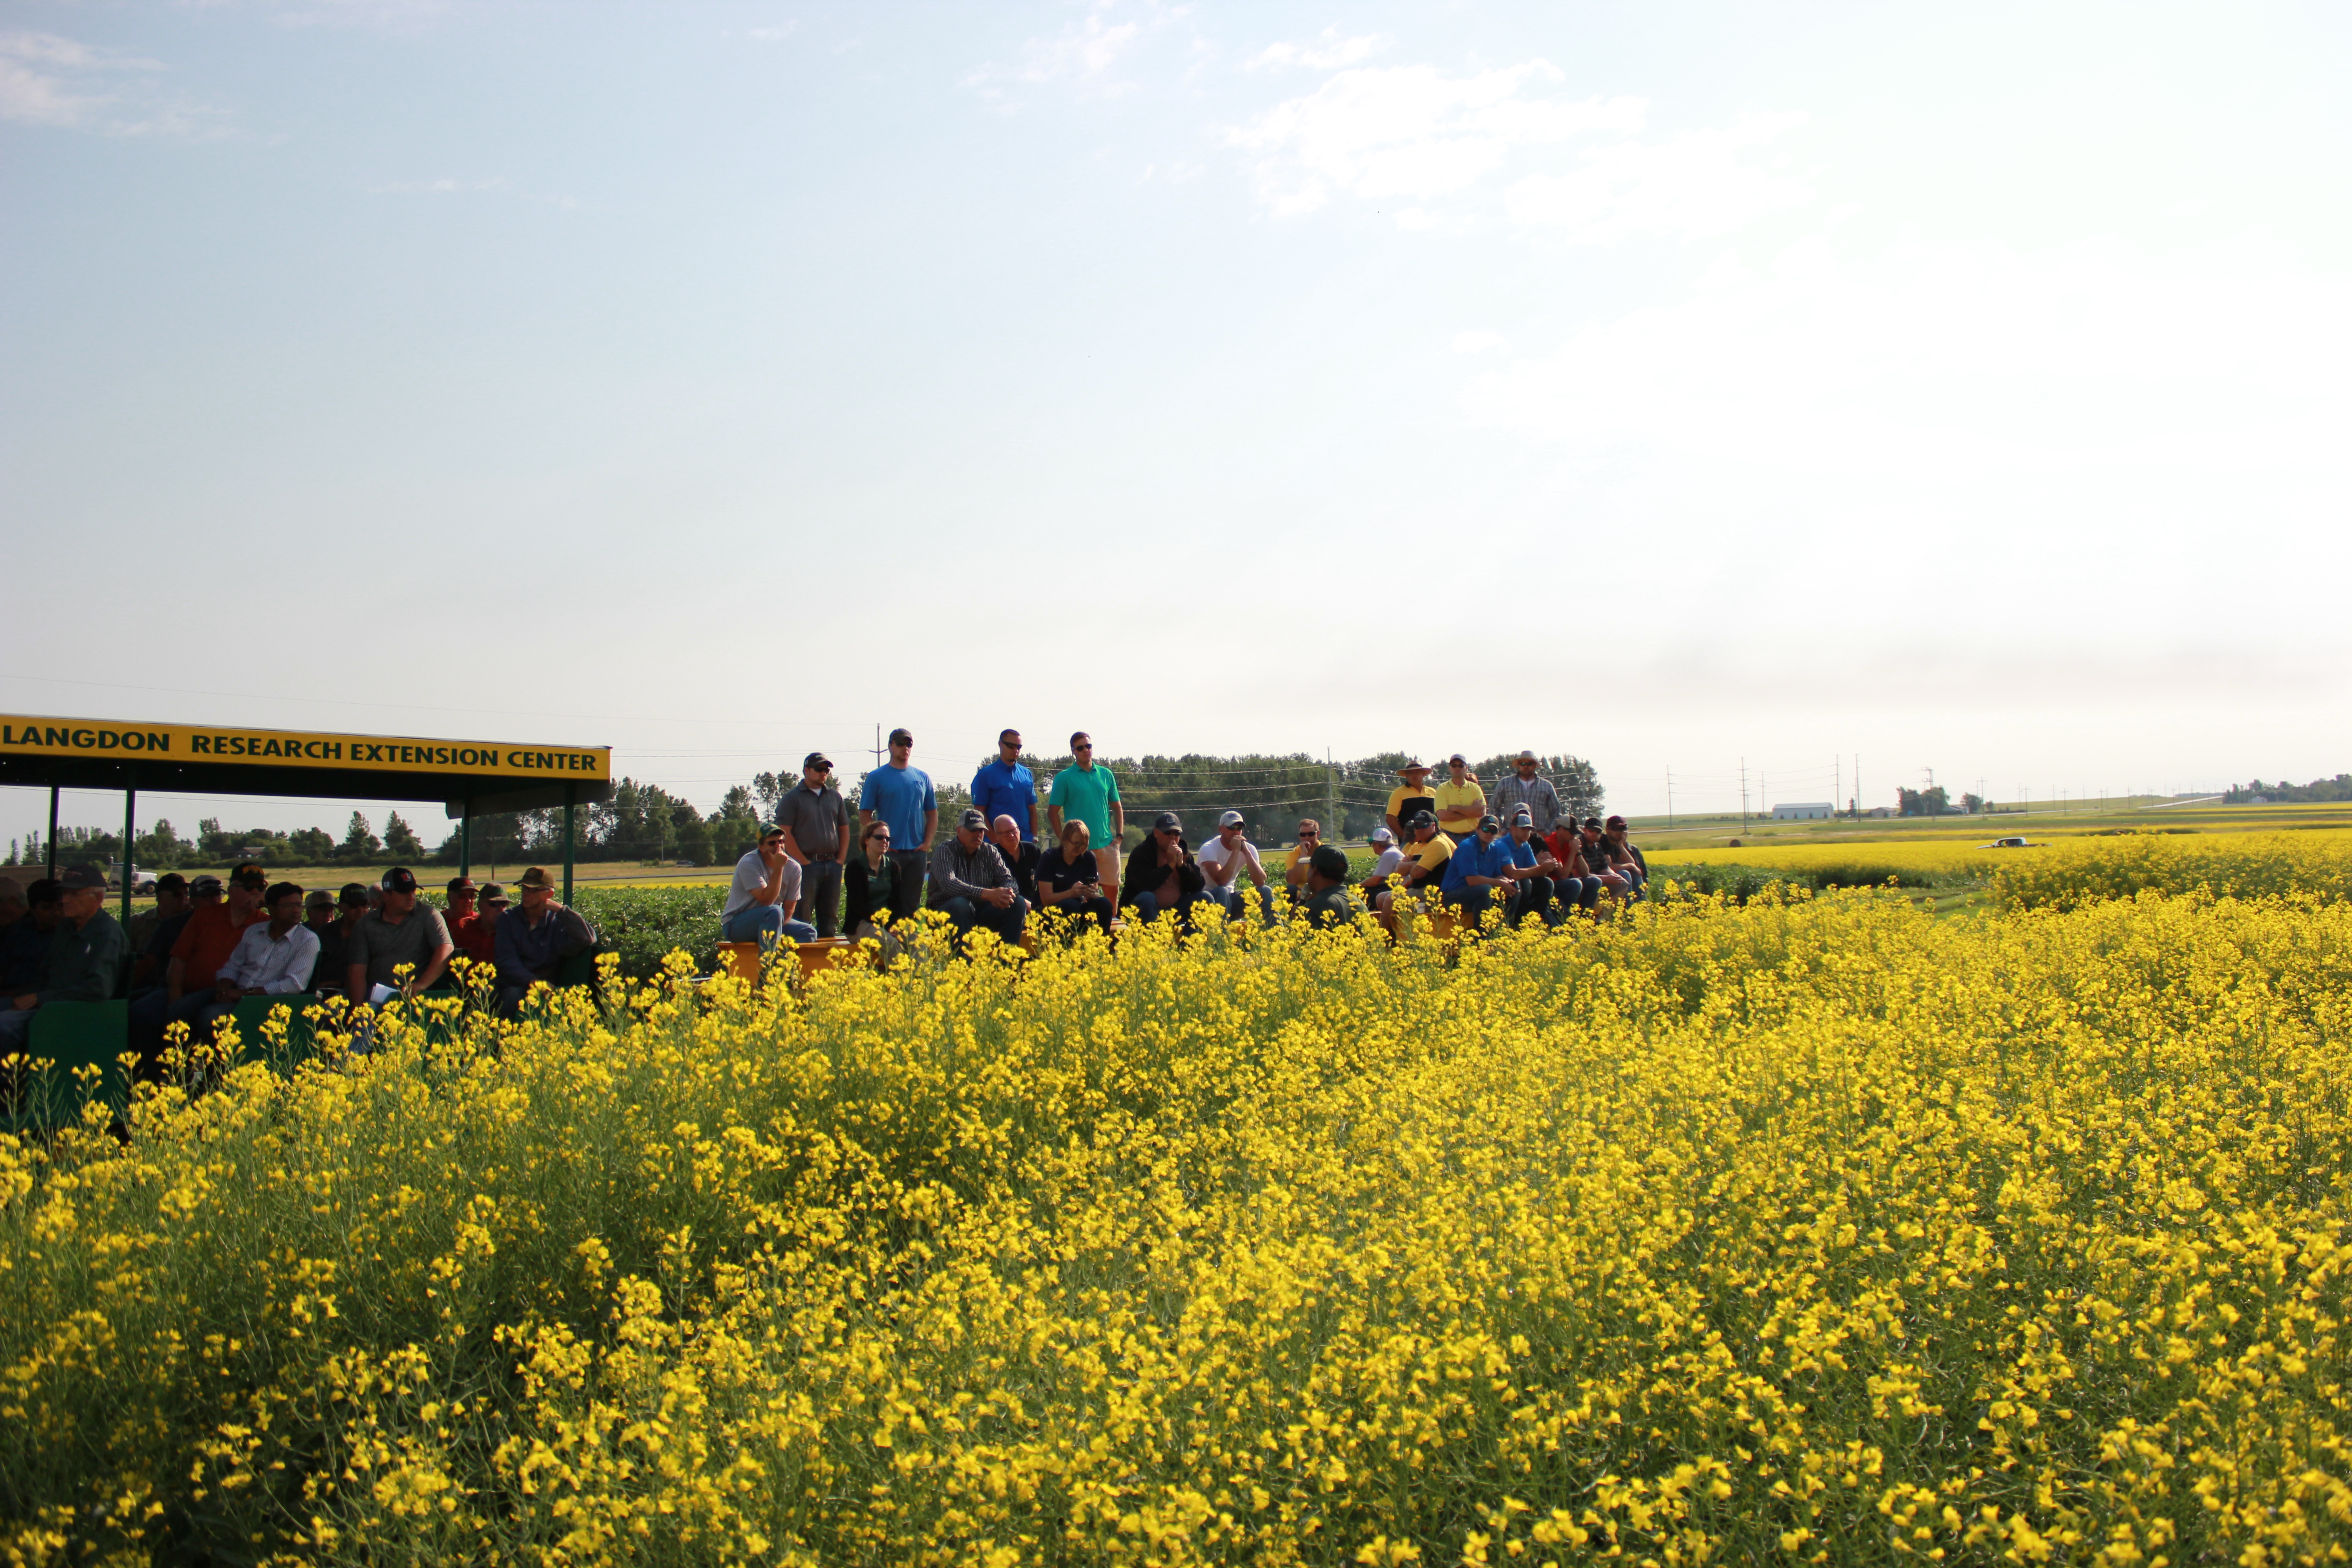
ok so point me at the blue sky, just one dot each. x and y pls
(1669, 384)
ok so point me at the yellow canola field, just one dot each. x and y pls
(1814, 1231)
(1911, 862)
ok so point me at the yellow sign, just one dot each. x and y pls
(115, 737)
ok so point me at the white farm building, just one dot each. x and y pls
(1803, 811)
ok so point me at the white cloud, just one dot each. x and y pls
(1084, 52)
(1330, 52)
(1508, 141)
(46, 79)
(775, 35)
(1479, 343)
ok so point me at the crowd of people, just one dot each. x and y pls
(822, 867)
(208, 943)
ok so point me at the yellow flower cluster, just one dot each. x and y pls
(2237, 865)
(1814, 1230)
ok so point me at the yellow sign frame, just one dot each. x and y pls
(199, 744)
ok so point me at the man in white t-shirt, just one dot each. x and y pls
(1224, 860)
(1386, 859)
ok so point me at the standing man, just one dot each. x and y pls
(816, 821)
(901, 796)
(1460, 801)
(85, 955)
(397, 931)
(1005, 788)
(971, 881)
(1089, 794)
(1224, 860)
(763, 895)
(534, 940)
(1529, 790)
(1415, 774)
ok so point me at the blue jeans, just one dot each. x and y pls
(1080, 909)
(1534, 893)
(1229, 898)
(1581, 892)
(15, 1028)
(1005, 923)
(1147, 906)
(763, 922)
(1474, 904)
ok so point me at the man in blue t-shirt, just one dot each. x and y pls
(1005, 788)
(1479, 870)
(1532, 883)
(901, 797)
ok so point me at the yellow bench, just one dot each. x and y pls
(743, 958)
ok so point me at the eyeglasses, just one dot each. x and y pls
(1012, 740)
(1083, 746)
(1308, 833)
(878, 837)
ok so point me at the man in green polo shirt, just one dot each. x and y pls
(84, 960)
(1327, 889)
(1089, 794)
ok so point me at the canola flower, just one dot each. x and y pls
(1815, 1230)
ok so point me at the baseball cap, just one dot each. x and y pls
(1422, 819)
(82, 880)
(461, 884)
(399, 880)
(1458, 757)
(1382, 836)
(319, 897)
(902, 734)
(1523, 817)
(1331, 862)
(975, 817)
(1167, 821)
(250, 877)
(1488, 823)
(493, 894)
(536, 877)
(1616, 822)
(1231, 820)
(354, 895)
(207, 883)
(817, 760)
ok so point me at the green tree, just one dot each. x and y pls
(400, 841)
(360, 842)
(310, 846)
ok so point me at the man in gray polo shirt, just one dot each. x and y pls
(400, 931)
(818, 834)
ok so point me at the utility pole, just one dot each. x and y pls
(1743, 794)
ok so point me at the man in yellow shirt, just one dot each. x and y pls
(1460, 801)
(1302, 855)
(1425, 857)
(1415, 775)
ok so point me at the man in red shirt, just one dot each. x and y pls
(206, 943)
(475, 935)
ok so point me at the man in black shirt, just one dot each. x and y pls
(1020, 858)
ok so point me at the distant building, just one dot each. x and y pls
(1880, 811)
(1803, 811)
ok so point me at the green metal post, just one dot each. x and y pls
(129, 821)
(571, 792)
(53, 833)
(466, 837)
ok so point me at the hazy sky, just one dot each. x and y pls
(1962, 387)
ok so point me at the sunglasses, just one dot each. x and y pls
(1308, 833)
(1084, 746)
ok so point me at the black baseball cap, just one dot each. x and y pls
(1330, 862)
(250, 877)
(207, 883)
(1167, 821)
(975, 817)
(819, 760)
(1489, 825)
(82, 880)
(461, 884)
(399, 880)
(902, 734)
(1420, 819)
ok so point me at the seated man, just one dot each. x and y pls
(171, 898)
(1161, 874)
(476, 936)
(971, 881)
(1477, 871)
(85, 956)
(534, 940)
(275, 957)
(1299, 866)
(1386, 859)
(398, 931)
(203, 945)
(1598, 862)
(349, 905)
(1625, 858)
(1070, 878)
(1531, 882)
(1573, 884)
(1020, 856)
(763, 895)
(152, 956)
(25, 947)
(1327, 902)
(1424, 866)
(1225, 861)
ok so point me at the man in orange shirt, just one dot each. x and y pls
(206, 943)
(477, 935)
